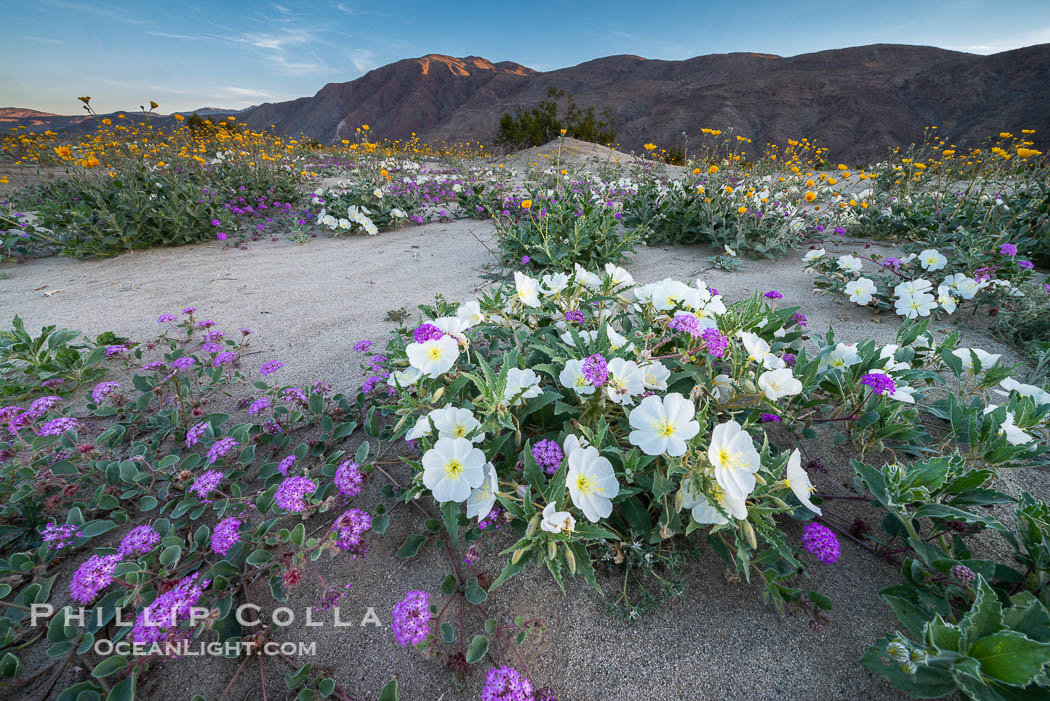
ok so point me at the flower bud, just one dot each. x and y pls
(749, 533)
(570, 558)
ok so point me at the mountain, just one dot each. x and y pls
(857, 101)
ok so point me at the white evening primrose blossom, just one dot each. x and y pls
(704, 512)
(452, 468)
(521, 385)
(663, 426)
(573, 378)
(814, 255)
(555, 521)
(553, 283)
(1008, 429)
(453, 326)
(483, 498)
(902, 393)
(723, 387)
(916, 305)
(527, 289)
(450, 422)
(655, 375)
(860, 290)
(931, 260)
(1037, 394)
(842, 356)
(618, 275)
(434, 357)
(912, 287)
(850, 264)
(798, 480)
(586, 278)
(986, 359)
(945, 299)
(733, 455)
(592, 484)
(625, 382)
(779, 383)
(968, 287)
(404, 378)
(758, 351)
(470, 313)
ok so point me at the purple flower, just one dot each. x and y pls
(270, 367)
(350, 529)
(713, 291)
(93, 575)
(773, 294)
(159, 622)
(139, 541)
(56, 427)
(225, 535)
(686, 323)
(184, 363)
(102, 390)
(840, 231)
(880, 383)
(220, 448)
(294, 394)
(286, 464)
(291, 495)
(115, 350)
(769, 418)
(1025, 264)
(426, 332)
(206, 324)
(362, 346)
(818, 540)
(60, 536)
(800, 318)
(207, 483)
(193, 435)
(259, 406)
(525, 260)
(42, 405)
(892, 262)
(574, 316)
(348, 478)
(216, 222)
(715, 342)
(1008, 249)
(224, 358)
(166, 318)
(548, 455)
(189, 310)
(506, 684)
(789, 359)
(595, 369)
(412, 619)
(211, 347)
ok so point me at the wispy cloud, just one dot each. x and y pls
(362, 60)
(108, 11)
(44, 40)
(182, 37)
(357, 11)
(1031, 37)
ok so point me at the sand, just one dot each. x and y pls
(308, 304)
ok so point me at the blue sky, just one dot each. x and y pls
(237, 53)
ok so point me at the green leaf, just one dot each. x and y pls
(298, 534)
(389, 692)
(108, 666)
(411, 547)
(1010, 657)
(170, 554)
(124, 691)
(985, 616)
(477, 649)
(475, 594)
(448, 633)
(450, 513)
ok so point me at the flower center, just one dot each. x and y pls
(584, 484)
(434, 354)
(453, 469)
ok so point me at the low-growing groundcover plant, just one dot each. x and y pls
(602, 419)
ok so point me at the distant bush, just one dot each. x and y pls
(546, 121)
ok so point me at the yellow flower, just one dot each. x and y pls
(525, 204)
(1028, 131)
(3, 180)
(1026, 152)
(696, 171)
(562, 132)
(178, 117)
(85, 100)
(729, 189)
(365, 127)
(810, 196)
(792, 142)
(107, 121)
(649, 147)
(1005, 135)
(63, 151)
(345, 142)
(741, 210)
(153, 105)
(712, 170)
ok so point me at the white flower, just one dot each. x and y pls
(587, 278)
(404, 378)
(931, 260)
(557, 521)
(814, 255)
(655, 375)
(779, 383)
(470, 314)
(450, 422)
(722, 385)
(452, 468)
(985, 358)
(618, 275)
(553, 283)
(1008, 429)
(733, 455)
(457, 188)
(572, 377)
(843, 356)
(398, 213)
(663, 426)
(704, 512)
(452, 325)
(914, 306)
(483, 498)
(522, 385)
(860, 291)
(378, 193)
(434, 357)
(912, 287)
(850, 264)
(904, 394)
(592, 484)
(1039, 395)
(968, 287)
(758, 351)
(528, 289)
(572, 443)
(798, 480)
(625, 381)
(945, 299)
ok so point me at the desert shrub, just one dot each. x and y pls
(547, 121)
(563, 229)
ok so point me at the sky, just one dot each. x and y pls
(232, 54)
